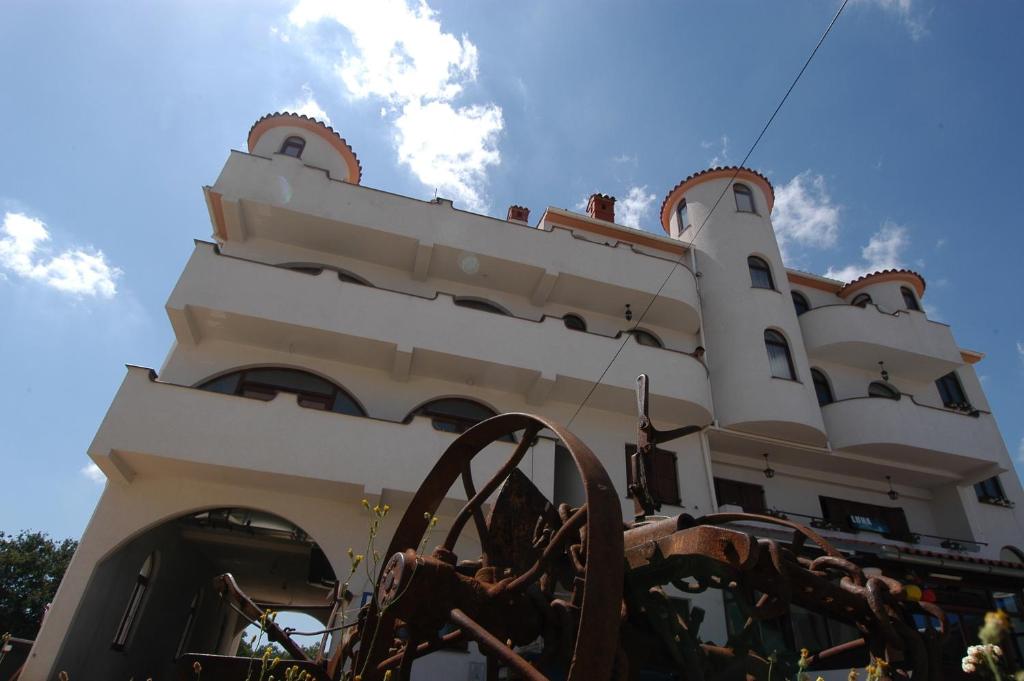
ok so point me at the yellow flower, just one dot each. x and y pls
(852, 676)
(366, 504)
(277, 661)
(386, 509)
(426, 516)
(998, 618)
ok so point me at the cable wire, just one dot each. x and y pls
(725, 190)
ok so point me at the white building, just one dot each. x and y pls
(315, 336)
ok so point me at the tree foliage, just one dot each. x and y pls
(31, 567)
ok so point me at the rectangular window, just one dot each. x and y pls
(746, 495)
(853, 516)
(661, 476)
(950, 390)
(990, 491)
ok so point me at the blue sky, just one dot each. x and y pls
(899, 147)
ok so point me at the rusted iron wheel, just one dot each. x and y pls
(419, 593)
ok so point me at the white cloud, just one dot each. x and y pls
(804, 214)
(78, 271)
(450, 148)
(911, 18)
(308, 106)
(884, 250)
(401, 55)
(722, 157)
(634, 208)
(93, 473)
(1020, 351)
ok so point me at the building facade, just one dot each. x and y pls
(333, 339)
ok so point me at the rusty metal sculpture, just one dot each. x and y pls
(574, 593)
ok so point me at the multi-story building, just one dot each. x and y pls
(335, 338)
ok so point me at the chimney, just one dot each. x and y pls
(518, 214)
(601, 207)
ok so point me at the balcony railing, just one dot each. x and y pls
(288, 203)
(241, 301)
(909, 343)
(916, 538)
(953, 441)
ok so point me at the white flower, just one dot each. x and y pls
(967, 665)
(996, 650)
(974, 651)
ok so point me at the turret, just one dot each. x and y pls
(760, 377)
(308, 140)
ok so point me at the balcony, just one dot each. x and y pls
(908, 343)
(234, 300)
(284, 201)
(155, 428)
(904, 432)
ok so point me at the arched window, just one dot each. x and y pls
(313, 269)
(455, 414)
(909, 299)
(779, 360)
(760, 273)
(822, 388)
(861, 300)
(350, 278)
(645, 338)
(482, 305)
(683, 215)
(131, 611)
(879, 389)
(293, 147)
(744, 198)
(574, 322)
(266, 382)
(800, 303)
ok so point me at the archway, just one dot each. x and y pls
(155, 598)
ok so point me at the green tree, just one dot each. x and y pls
(31, 567)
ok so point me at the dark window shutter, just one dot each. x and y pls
(661, 476)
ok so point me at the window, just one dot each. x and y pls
(350, 278)
(645, 338)
(951, 392)
(822, 388)
(861, 300)
(990, 491)
(748, 496)
(661, 475)
(190, 621)
(683, 215)
(482, 305)
(800, 303)
(574, 322)
(314, 270)
(909, 299)
(854, 516)
(779, 361)
(879, 389)
(293, 147)
(455, 414)
(744, 198)
(131, 611)
(760, 273)
(265, 383)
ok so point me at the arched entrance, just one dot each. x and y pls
(154, 599)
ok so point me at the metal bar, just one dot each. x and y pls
(488, 642)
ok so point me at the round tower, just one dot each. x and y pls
(306, 139)
(760, 378)
(890, 290)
